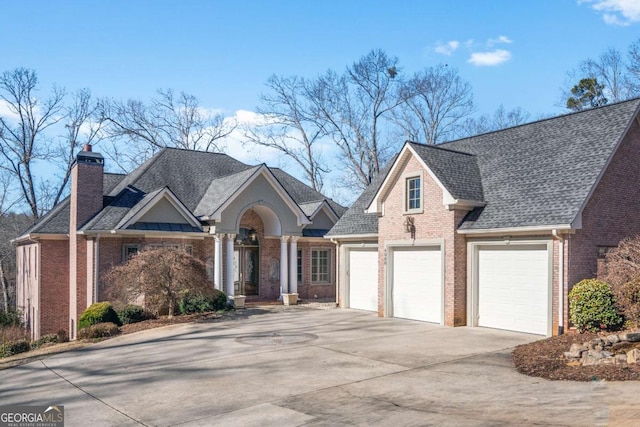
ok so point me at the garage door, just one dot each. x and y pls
(363, 279)
(513, 288)
(417, 284)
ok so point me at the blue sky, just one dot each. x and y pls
(224, 51)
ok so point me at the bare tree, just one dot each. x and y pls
(22, 134)
(353, 107)
(500, 119)
(290, 127)
(168, 120)
(157, 275)
(11, 225)
(618, 75)
(633, 67)
(437, 101)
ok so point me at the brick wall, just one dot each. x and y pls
(436, 222)
(612, 213)
(54, 286)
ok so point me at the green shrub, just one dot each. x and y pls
(592, 306)
(190, 302)
(99, 330)
(50, 338)
(132, 313)
(99, 312)
(14, 347)
(10, 318)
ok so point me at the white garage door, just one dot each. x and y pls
(417, 284)
(363, 279)
(513, 288)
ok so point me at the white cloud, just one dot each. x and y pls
(7, 113)
(447, 48)
(617, 12)
(499, 40)
(492, 58)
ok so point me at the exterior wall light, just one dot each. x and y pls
(409, 227)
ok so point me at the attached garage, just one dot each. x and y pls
(417, 283)
(512, 287)
(363, 278)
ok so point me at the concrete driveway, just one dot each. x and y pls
(291, 366)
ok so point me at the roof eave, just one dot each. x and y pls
(542, 229)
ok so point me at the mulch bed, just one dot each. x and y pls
(545, 359)
(164, 321)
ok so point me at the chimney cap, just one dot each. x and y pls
(87, 147)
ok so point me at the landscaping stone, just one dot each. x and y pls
(610, 350)
(633, 356)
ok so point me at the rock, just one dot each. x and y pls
(633, 356)
(597, 341)
(592, 357)
(619, 345)
(612, 339)
(621, 360)
(575, 352)
(633, 337)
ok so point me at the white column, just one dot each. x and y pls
(293, 265)
(284, 271)
(229, 265)
(217, 262)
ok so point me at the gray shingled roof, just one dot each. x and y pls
(221, 190)
(200, 180)
(56, 221)
(537, 174)
(541, 173)
(457, 171)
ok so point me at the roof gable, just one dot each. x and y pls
(160, 206)
(221, 193)
(456, 173)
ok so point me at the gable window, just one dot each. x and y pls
(320, 266)
(299, 265)
(413, 194)
(129, 251)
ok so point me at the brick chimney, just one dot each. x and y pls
(87, 174)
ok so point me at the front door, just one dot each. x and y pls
(246, 268)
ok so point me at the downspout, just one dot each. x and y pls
(560, 239)
(96, 271)
(335, 242)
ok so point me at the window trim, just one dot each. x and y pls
(126, 246)
(405, 192)
(300, 266)
(330, 263)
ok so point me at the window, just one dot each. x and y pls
(129, 250)
(188, 249)
(414, 201)
(320, 265)
(299, 265)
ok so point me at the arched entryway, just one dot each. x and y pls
(246, 262)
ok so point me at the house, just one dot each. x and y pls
(495, 229)
(258, 229)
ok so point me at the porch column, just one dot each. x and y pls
(217, 266)
(293, 265)
(229, 266)
(284, 271)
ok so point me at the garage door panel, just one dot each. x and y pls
(513, 288)
(363, 279)
(417, 284)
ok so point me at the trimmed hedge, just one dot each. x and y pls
(99, 312)
(198, 303)
(99, 330)
(10, 318)
(14, 347)
(132, 313)
(592, 306)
